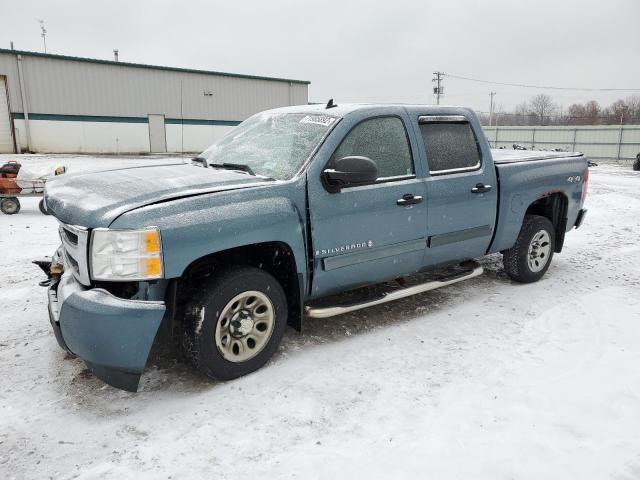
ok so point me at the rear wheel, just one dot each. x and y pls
(10, 205)
(42, 207)
(236, 322)
(529, 259)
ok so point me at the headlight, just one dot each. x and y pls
(122, 255)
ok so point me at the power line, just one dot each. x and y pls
(544, 87)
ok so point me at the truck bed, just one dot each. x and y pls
(502, 155)
(528, 175)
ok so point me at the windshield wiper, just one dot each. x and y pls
(201, 160)
(233, 166)
(237, 167)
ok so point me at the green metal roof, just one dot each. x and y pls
(151, 67)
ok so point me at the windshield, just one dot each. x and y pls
(271, 144)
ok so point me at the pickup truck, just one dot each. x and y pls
(292, 207)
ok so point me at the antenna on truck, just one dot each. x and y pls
(330, 104)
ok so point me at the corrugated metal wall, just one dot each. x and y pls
(70, 87)
(603, 142)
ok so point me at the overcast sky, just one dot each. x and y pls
(359, 50)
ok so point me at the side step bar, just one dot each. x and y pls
(315, 312)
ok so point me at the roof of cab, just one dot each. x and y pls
(343, 109)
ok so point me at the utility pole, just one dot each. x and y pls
(43, 34)
(491, 94)
(438, 89)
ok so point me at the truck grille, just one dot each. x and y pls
(75, 243)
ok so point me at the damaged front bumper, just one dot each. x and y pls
(111, 334)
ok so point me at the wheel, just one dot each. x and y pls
(10, 205)
(528, 260)
(42, 207)
(636, 164)
(235, 322)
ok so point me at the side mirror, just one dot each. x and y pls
(350, 172)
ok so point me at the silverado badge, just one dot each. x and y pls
(345, 248)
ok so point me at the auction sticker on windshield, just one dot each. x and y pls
(318, 119)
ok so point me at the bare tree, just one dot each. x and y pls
(542, 106)
(633, 102)
(576, 114)
(521, 114)
(483, 118)
(592, 112)
(618, 111)
(541, 110)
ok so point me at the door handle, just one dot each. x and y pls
(408, 199)
(481, 188)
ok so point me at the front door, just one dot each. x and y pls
(157, 134)
(370, 233)
(461, 188)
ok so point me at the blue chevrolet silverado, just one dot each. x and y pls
(271, 224)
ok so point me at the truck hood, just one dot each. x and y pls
(97, 199)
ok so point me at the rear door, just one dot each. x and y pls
(370, 233)
(461, 189)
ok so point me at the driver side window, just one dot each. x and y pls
(383, 140)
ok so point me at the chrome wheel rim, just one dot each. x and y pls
(245, 326)
(539, 251)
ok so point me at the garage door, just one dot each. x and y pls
(6, 139)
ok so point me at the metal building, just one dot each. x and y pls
(56, 103)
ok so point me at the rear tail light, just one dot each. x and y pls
(585, 183)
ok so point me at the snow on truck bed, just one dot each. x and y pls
(483, 379)
(503, 155)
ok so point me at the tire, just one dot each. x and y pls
(42, 207)
(636, 164)
(10, 205)
(530, 257)
(211, 319)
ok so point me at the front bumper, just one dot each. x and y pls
(112, 335)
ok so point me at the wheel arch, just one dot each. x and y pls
(553, 206)
(274, 257)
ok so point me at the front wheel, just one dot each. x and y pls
(10, 205)
(528, 260)
(235, 322)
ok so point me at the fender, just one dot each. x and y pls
(195, 227)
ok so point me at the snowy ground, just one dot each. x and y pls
(484, 379)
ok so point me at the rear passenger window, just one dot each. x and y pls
(383, 140)
(450, 146)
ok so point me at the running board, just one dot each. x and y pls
(318, 312)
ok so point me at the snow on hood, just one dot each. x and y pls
(97, 199)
